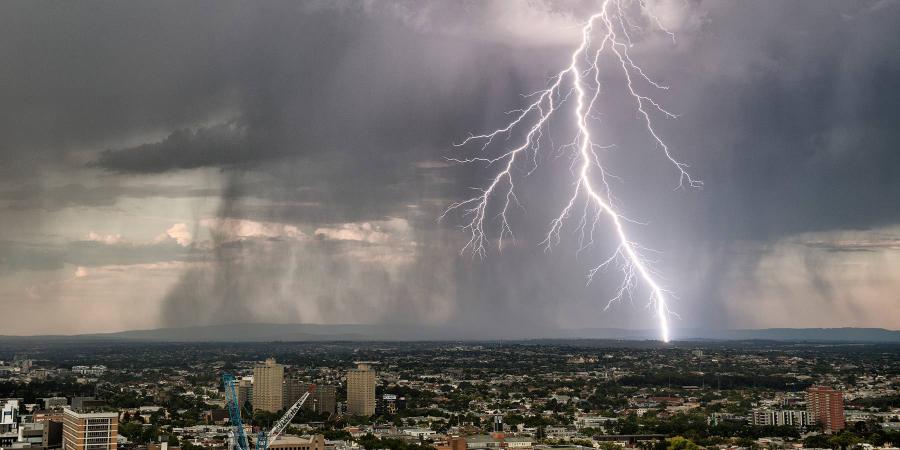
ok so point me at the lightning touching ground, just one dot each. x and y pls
(606, 34)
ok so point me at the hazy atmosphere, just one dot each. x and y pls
(169, 164)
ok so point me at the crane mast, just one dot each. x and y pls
(262, 438)
(234, 412)
(286, 418)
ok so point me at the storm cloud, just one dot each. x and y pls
(284, 161)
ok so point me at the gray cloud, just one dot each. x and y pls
(31, 196)
(24, 256)
(219, 145)
(18, 256)
(322, 114)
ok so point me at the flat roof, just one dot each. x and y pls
(93, 415)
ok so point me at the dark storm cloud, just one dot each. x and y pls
(322, 114)
(220, 145)
(343, 93)
(75, 76)
(810, 141)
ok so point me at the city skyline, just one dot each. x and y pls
(573, 395)
(173, 165)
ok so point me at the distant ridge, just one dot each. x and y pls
(805, 334)
(354, 332)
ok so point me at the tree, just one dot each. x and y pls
(609, 446)
(844, 441)
(816, 441)
(681, 443)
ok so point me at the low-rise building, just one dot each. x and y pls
(287, 442)
(795, 418)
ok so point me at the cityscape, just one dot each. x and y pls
(540, 395)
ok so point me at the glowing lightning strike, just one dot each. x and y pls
(584, 82)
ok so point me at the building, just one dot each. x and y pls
(593, 421)
(718, 418)
(497, 440)
(94, 371)
(31, 434)
(781, 417)
(419, 433)
(268, 386)
(452, 443)
(52, 434)
(245, 391)
(9, 414)
(325, 399)
(86, 403)
(826, 407)
(361, 390)
(293, 390)
(315, 442)
(44, 415)
(559, 433)
(389, 404)
(90, 431)
(55, 402)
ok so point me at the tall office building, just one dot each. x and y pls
(90, 431)
(268, 386)
(826, 406)
(361, 390)
(326, 399)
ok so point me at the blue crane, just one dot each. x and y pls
(234, 412)
(262, 438)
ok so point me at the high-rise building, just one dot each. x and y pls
(245, 391)
(293, 389)
(90, 431)
(268, 389)
(826, 406)
(361, 390)
(326, 399)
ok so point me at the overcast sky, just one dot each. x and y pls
(188, 163)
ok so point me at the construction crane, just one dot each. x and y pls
(234, 412)
(286, 419)
(263, 438)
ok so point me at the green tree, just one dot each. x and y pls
(681, 443)
(844, 441)
(816, 441)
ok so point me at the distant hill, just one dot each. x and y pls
(766, 334)
(805, 334)
(350, 332)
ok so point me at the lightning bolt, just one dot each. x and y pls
(605, 33)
